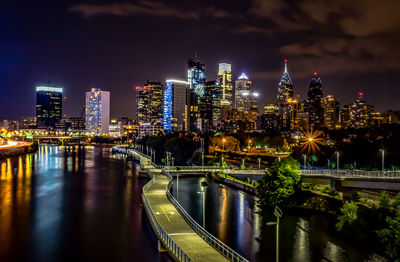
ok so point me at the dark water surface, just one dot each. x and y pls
(232, 216)
(59, 205)
(63, 206)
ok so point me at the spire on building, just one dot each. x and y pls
(243, 77)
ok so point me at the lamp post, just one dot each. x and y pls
(222, 163)
(383, 160)
(305, 160)
(259, 163)
(223, 144)
(202, 158)
(278, 213)
(203, 186)
(337, 160)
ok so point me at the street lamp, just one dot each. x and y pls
(305, 160)
(259, 163)
(383, 160)
(223, 144)
(202, 158)
(203, 186)
(337, 160)
(278, 213)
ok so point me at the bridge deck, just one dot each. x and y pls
(174, 224)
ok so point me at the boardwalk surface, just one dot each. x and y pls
(174, 224)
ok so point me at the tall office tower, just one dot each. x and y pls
(345, 117)
(143, 104)
(48, 105)
(302, 118)
(269, 119)
(285, 93)
(315, 110)
(155, 101)
(243, 93)
(330, 107)
(97, 111)
(196, 75)
(176, 106)
(225, 80)
(361, 113)
(210, 103)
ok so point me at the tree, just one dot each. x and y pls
(384, 200)
(396, 202)
(349, 215)
(279, 182)
(390, 236)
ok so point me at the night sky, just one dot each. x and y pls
(353, 45)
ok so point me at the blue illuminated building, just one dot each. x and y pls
(167, 108)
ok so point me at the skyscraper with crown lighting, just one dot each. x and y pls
(284, 99)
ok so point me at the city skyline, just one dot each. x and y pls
(37, 50)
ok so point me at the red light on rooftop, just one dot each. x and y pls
(285, 60)
(315, 73)
(137, 87)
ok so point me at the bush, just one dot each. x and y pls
(278, 183)
(390, 236)
(384, 200)
(326, 189)
(348, 216)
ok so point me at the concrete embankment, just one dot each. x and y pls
(18, 150)
(247, 188)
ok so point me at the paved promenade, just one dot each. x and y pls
(174, 224)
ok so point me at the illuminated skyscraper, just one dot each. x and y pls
(176, 106)
(156, 101)
(210, 103)
(143, 104)
(315, 111)
(243, 93)
(361, 113)
(97, 112)
(196, 75)
(285, 94)
(48, 105)
(269, 120)
(330, 107)
(225, 80)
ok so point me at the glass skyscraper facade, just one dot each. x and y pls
(176, 106)
(48, 105)
(196, 75)
(97, 109)
(315, 111)
(285, 94)
(225, 80)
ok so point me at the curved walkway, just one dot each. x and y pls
(175, 225)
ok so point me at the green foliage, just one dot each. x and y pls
(396, 202)
(384, 200)
(390, 236)
(306, 185)
(278, 183)
(326, 189)
(242, 167)
(348, 216)
(224, 165)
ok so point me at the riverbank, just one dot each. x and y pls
(18, 149)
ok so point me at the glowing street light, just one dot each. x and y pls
(383, 160)
(223, 144)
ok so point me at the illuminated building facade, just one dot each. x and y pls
(196, 75)
(210, 103)
(269, 119)
(243, 93)
(345, 117)
(155, 101)
(330, 107)
(48, 105)
(176, 106)
(285, 94)
(143, 104)
(360, 113)
(225, 80)
(315, 111)
(97, 112)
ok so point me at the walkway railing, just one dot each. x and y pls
(352, 173)
(162, 234)
(226, 251)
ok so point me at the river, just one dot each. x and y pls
(59, 204)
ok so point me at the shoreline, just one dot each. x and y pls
(18, 150)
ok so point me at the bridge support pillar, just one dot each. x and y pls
(335, 184)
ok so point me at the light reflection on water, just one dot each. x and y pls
(233, 217)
